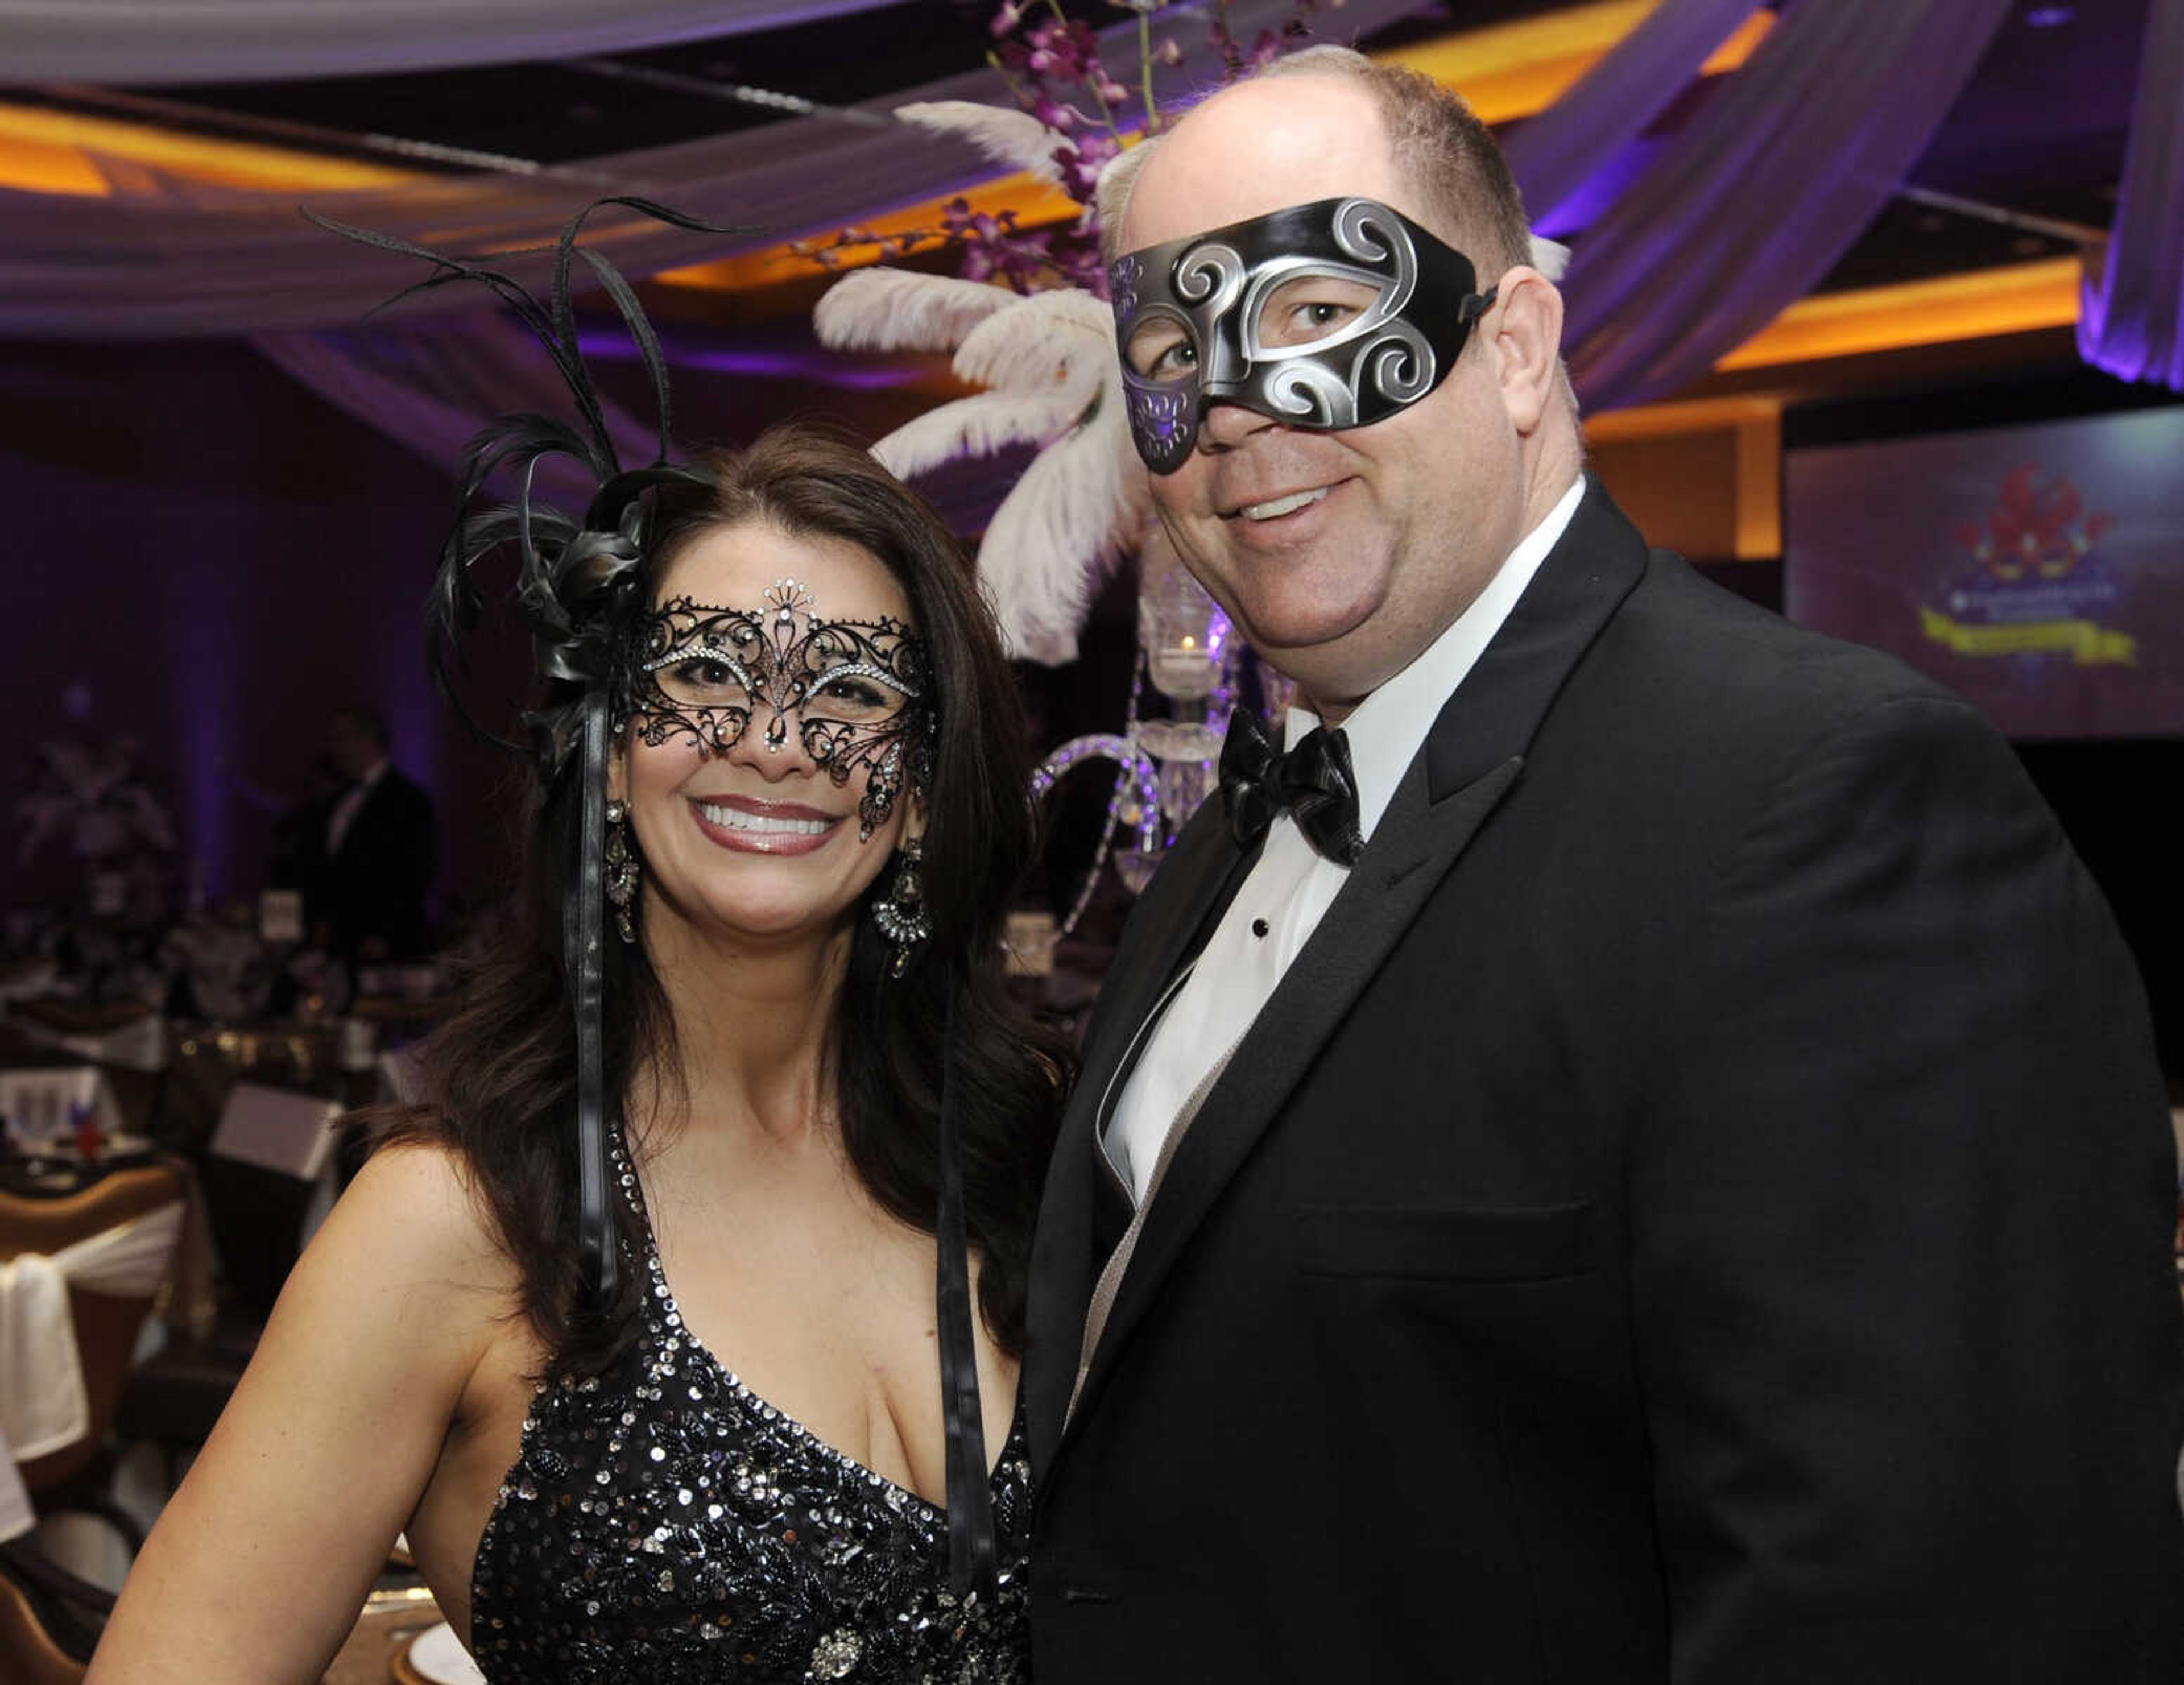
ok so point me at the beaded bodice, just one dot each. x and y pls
(665, 1524)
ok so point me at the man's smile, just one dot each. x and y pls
(1274, 507)
(1258, 504)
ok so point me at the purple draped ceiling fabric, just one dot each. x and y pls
(147, 42)
(1555, 152)
(432, 385)
(241, 263)
(2131, 319)
(1747, 208)
(433, 388)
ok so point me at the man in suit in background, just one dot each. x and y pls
(378, 859)
(1632, 1152)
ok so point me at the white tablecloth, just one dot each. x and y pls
(43, 1406)
(17, 1517)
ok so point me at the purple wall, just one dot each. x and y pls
(207, 557)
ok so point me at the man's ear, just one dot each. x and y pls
(1526, 322)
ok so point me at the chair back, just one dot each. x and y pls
(50, 1620)
(277, 1129)
(270, 1174)
(106, 1324)
(28, 1653)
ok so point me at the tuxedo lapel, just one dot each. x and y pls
(1413, 846)
(1193, 884)
(1471, 759)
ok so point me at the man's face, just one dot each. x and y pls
(350, 745)
(1342, 554)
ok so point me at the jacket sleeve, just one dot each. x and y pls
(1902, 1200)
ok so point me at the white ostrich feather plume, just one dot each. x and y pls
(1005, 136)
(1048, 364)
(978, 425)
(1057, 339)
(879, 309)
(1079, 505)
(1549, 256)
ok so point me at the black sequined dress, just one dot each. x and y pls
(666, 1525)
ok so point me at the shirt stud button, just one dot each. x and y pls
(1258, 927)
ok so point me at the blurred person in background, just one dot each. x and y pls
(368, 869)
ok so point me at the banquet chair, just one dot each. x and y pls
(49, 1619)
(112, 1244)
(29, 1653)
(270, 1169)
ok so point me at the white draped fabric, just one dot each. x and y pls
(1553, 154)
(152, 262)
(145, 42)
(2132, 324)
(433, 390)
(43, 1406)
(1751, 203)
(17, 1516)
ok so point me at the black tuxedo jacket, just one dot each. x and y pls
(374, 884)
(1698, 1209)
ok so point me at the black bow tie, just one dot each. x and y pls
(1312, 783)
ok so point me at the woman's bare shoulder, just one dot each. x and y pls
(417, 1220)
(260, 1560)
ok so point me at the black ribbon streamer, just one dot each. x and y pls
(570, 573)
(971, 1556)
(584, 961)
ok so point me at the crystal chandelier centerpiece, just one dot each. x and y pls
(1189, 659)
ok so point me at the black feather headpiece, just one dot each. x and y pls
(574, 582)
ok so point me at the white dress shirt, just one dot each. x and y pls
(350, 804)
(1290, 886)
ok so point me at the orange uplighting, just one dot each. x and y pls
(1508, 71)
(1976, 305)
(1687, 415)
(1981, 304)
(1515, 69)
(1505, 71)
(1036, 203)
(59, 152)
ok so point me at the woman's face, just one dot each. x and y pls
(776, 661)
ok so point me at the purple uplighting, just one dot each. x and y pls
(205, 647)
(774, 363)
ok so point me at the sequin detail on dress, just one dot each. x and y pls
(665, 1525)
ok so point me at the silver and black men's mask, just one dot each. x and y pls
(1329, 315)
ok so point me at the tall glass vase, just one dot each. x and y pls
(1190, 663)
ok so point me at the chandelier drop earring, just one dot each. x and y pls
(621, 870)
(900, 913)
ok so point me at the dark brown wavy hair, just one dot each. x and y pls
(500, 1074)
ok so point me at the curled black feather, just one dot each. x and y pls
(573, 578)
(574, 588)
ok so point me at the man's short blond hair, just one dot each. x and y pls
(1443, 151)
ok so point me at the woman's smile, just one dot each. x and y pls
(753, 825)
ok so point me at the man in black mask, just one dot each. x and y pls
(1628, 1148)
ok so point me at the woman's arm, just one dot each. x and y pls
(260, 1562)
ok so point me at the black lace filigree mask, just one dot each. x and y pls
(859, 691)
(1328, 315)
